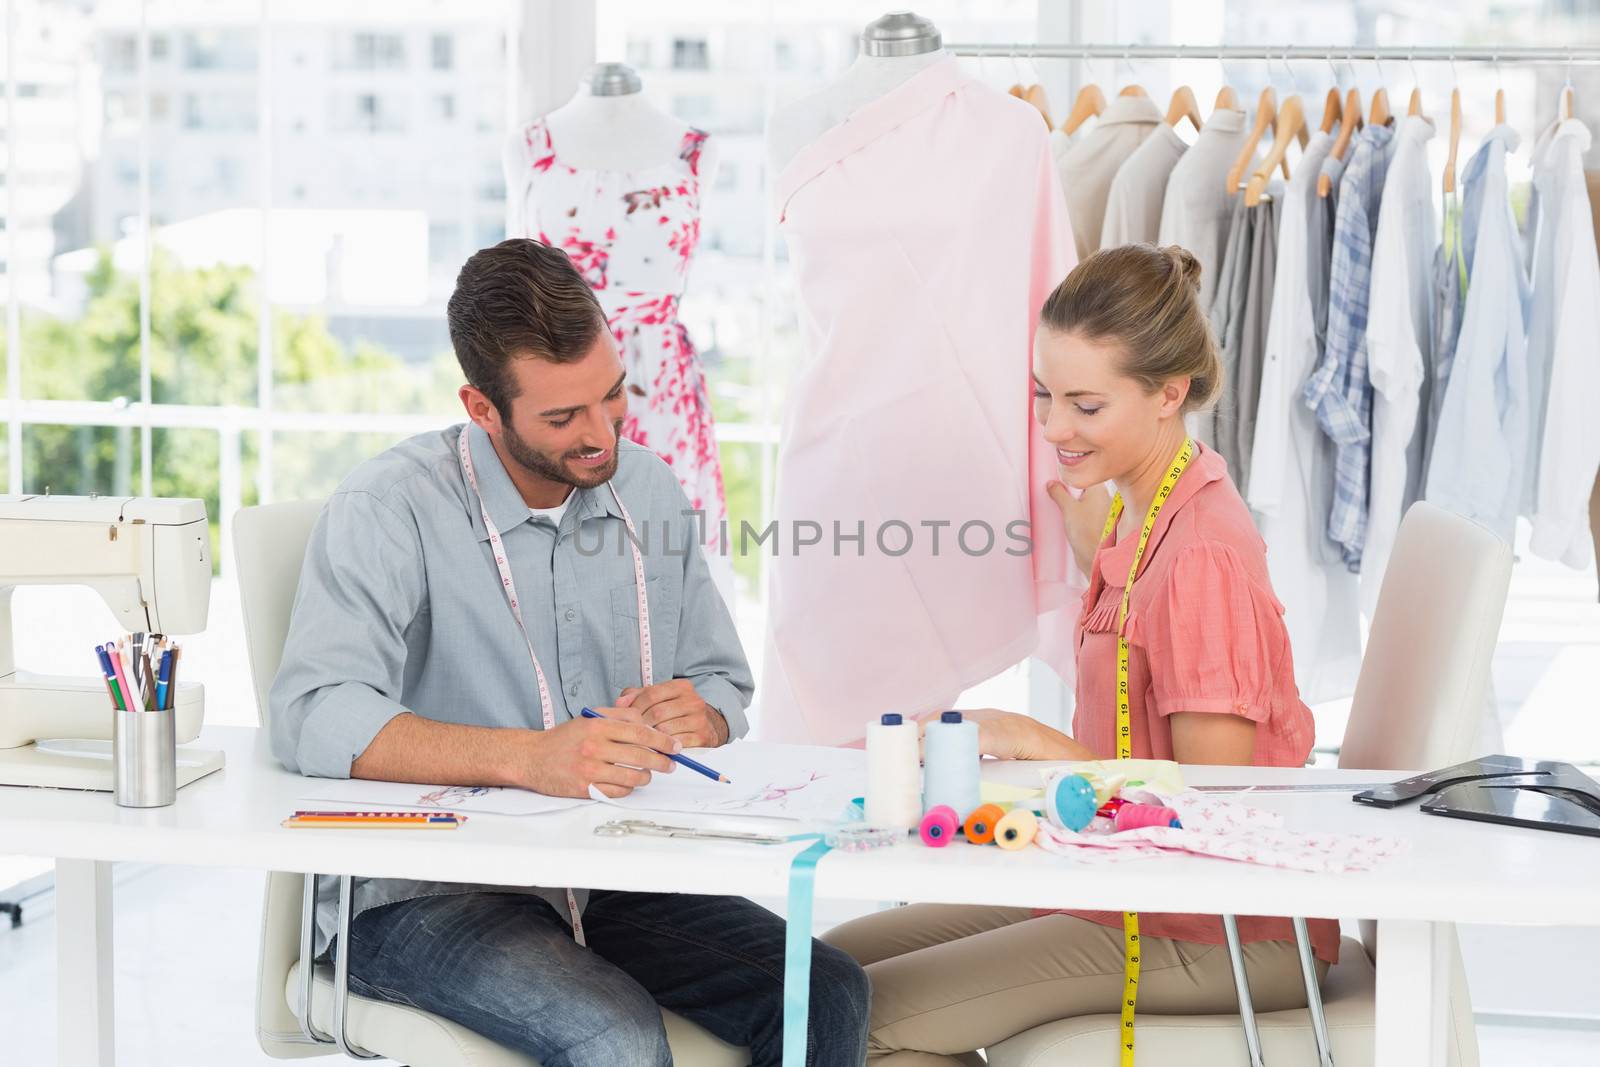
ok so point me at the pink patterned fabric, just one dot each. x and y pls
(921, 264)
(632, 235)
(1227, 831)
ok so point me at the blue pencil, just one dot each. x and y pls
(163, 677)
(693, 765)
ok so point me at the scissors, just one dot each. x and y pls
(624, 827)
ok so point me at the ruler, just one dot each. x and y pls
(1296, 787)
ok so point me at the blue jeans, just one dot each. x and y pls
(505, 965)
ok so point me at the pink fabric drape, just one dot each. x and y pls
(925, 232)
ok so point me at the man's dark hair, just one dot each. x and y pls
(518, 299)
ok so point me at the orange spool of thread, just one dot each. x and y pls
(980, 824)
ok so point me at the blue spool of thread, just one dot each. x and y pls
(1069, 801)
(950, 765)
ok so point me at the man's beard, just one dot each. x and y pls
(556, 470)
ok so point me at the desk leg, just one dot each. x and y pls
(1413, 978)
(85, 1034)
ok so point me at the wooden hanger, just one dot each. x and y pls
(1349, 119)
(1090, 103)
(1380, 109)
(1183, 106)
(1291, 119)
(1226, 98)
(1499, 107)
(1330, 110)
(1035, 95)
(1133, 90)
(1266, 111)
(1415, 106)
(1569, 102)
(1455, 141)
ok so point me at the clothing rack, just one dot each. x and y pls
(1426, 53)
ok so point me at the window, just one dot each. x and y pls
(368, 113)
(374, 51)
(229, 50)
(444, 106)
(690, 53)
(219, 111)
(444, 49)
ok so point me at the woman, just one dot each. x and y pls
(1123, 353)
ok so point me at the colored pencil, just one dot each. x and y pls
(122, 677)
(715, 776)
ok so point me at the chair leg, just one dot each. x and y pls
(308, 931)
(1241, 983)
(1308, 971)
(341, 978)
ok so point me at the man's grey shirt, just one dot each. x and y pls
(400, 609)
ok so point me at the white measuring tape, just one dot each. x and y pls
(497, 546)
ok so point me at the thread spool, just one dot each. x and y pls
(980, 825)
(950, 765)
(1069, 801)
(1016, 830)
(894, 773)
(938, 827)
(1138, 816)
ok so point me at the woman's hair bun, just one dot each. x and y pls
(1185, 263)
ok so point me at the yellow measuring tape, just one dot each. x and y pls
(1130, 920)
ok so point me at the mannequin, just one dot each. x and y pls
(893, 48)
(608, 125)
(619, 186)
(906, 408)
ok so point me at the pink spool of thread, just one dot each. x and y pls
(939, 826)
(1138, 816)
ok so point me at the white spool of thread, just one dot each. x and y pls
(894, 773)
(951, 776)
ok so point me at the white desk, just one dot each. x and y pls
(1454, 872)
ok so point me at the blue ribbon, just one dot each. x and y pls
(797, 950)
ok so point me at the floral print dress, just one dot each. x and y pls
(632, 234)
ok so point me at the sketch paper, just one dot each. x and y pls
(477, 799)
(804, 782)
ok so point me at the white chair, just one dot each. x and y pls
(1417, 706)
(269, 546)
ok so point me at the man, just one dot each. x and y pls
(458, 606)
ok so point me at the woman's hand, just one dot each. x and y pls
(1007, 735)
(1084, 518)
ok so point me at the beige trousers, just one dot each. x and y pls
(949, 979)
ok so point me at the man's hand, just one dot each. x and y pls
(617, 754)
(675, 708)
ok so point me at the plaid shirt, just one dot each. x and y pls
(1338, 389)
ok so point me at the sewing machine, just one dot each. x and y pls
(150, 560)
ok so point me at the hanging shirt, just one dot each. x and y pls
(1561, 342)
(1319, 275)
(1291, 466)
(1197, 208)
(1088, 167)
(1399, 340)
(921, 266)
(1205, 635)
(1480, 451)
(1239, 316)
(1338, 389)
(1449, 288)
(1133, 204)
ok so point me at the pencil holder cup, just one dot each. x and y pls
(144, 755)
